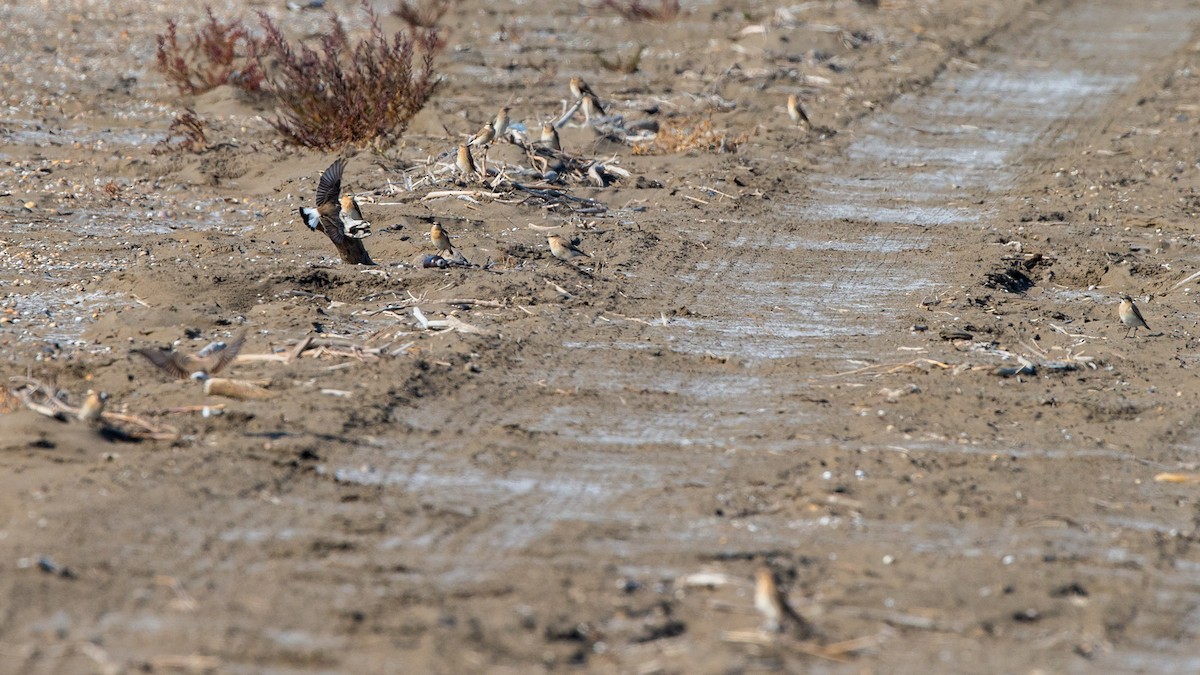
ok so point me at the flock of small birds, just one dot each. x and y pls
(340, 218)
(345, 220)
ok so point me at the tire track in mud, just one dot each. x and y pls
(705, 390)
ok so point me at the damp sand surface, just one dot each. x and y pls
(799, 355)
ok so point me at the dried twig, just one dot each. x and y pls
(143, 428)
(413, 302)
(893, 367)
(1062, 330)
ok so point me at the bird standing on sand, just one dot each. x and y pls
(796, 112)
(770, 601)
(441, 240)
(199, 366)
(93, 406)
(465, 162)
(550, 136)
(326, 217)
(592, 108)
(1131, 316)
(562, 249)
(500, 124)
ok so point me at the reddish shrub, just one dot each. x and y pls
(345, 94)
(189, 128)
(219, 53)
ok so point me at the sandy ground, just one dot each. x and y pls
(804, 354)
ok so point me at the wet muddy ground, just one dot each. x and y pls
(881, 356)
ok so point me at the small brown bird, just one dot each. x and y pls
(441, 240)
(326, 217)
(563, 249)
(592, 107)
(796, 112)
(773, 605)
(465, 162)
(500, 124)
(93, 406)
(484, 136)
(1131, 316)
(353, 223)
(550, 136)
(199, 366)
(579, 88)
(591, 102)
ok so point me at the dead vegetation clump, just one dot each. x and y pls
(634, 10)
(189, 128)
(349, 95)
(685, 134)
(219, 53)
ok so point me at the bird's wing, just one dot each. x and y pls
(1138, 313)
(803, 114)
(311, 217)
(332, 227)
(168, 361)
(229, 353)
(330, 187)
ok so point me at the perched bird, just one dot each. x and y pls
(592, 107)
(484, 136)
(326, 217)
(591, 102)
(773, 605)
(500, 124)
(563, 249)
(465, 162)
(579, 88)
(1131, 316)
(353, 223)
(199, 366)
(93, 406)
(796, 112)
(550, 136)
(441, 240)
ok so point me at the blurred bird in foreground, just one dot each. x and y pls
(199, 366)
(796, 112)
(93, 406)
(1131, 316)
(776, 611)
